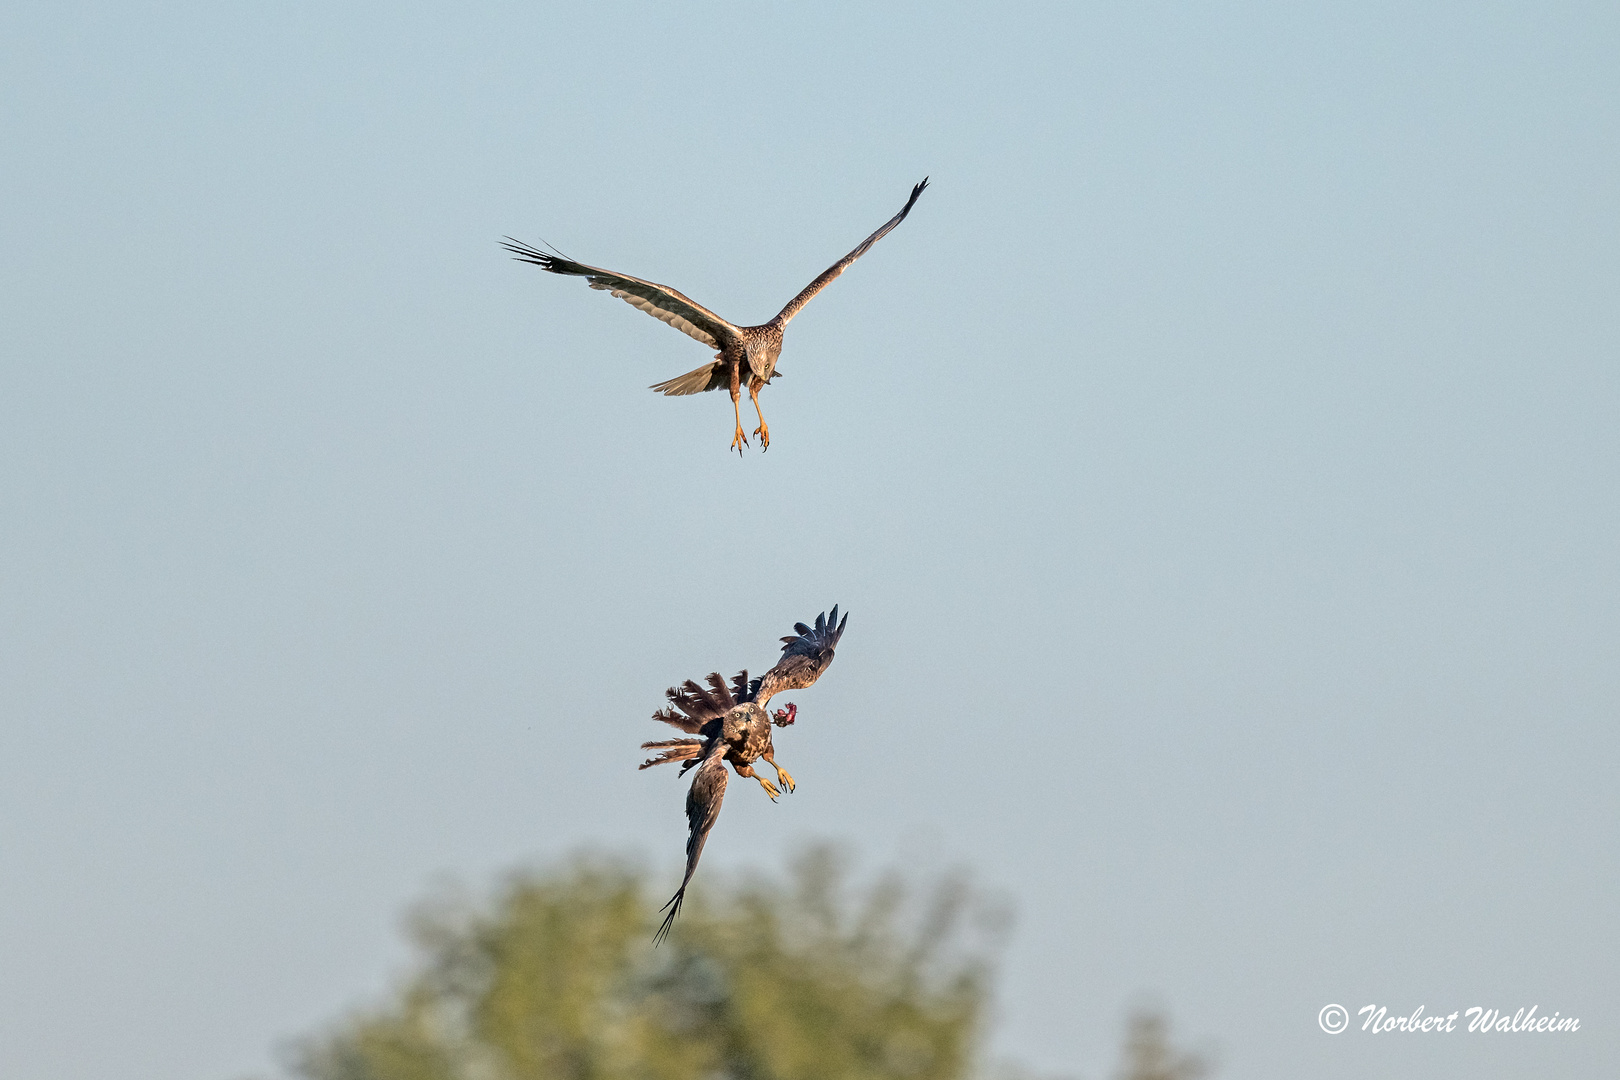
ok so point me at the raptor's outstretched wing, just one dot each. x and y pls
(843, 264)
(660, 301)
(702, 809)
(805, 655)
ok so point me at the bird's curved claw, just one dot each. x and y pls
(739, 440)
(787, 781)
(764, 434)
(770, 788)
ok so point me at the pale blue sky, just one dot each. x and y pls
(1220, 465)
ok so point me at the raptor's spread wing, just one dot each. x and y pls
(843, 264)
(660, 301)
(702, 809)
(805, 655)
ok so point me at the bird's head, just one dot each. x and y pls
(784, 717)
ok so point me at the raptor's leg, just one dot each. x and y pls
(762, 431)
(739, 440)
(748, 771)
(782, 776)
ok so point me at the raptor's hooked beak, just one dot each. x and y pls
(784, 717)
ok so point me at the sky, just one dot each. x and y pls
(1220, 468)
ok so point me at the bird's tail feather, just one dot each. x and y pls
(742, 687)
(690, 706)
(710, 376)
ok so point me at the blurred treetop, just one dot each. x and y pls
(558, 980)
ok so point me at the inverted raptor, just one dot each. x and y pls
(728, 723)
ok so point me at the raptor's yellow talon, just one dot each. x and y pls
(762, 431)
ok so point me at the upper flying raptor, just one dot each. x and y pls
(754, 348)
(731, 724)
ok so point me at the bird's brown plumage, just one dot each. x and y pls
(727, 722)
(754, 348)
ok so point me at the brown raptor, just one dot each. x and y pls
(746, 353)
(730, 724)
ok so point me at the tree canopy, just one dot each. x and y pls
(558, 979)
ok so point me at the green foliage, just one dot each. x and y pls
(558, 980)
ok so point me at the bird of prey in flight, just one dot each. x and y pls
(730, 724)
(747, 354)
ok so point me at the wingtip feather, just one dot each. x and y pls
(674, 909)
